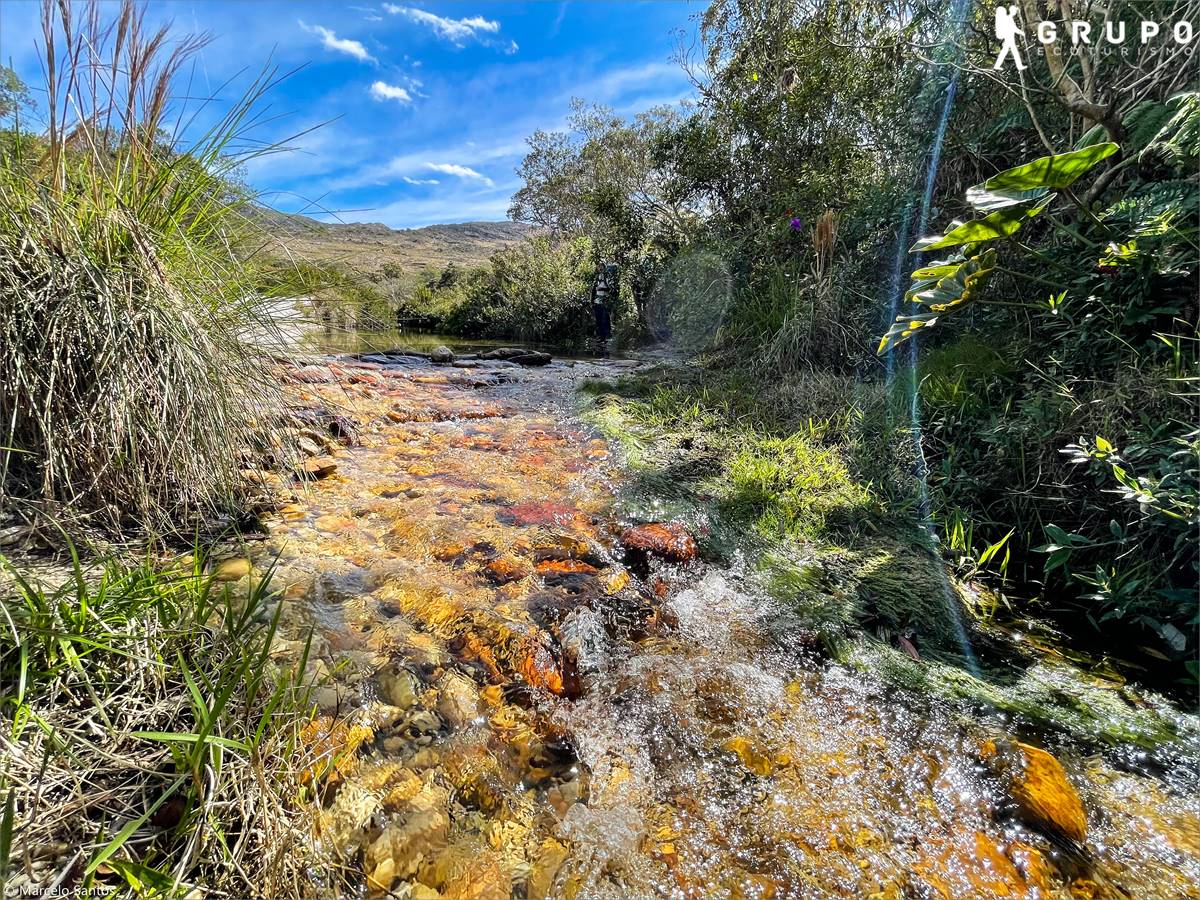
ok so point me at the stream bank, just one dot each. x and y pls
(520, 696)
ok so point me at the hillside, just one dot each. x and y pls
(366, 247)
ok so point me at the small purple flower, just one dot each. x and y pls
(796, 224)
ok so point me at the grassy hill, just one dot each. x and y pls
(366, 247)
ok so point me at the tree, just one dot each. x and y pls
(602, 180)
(14, 93)
(599, 179)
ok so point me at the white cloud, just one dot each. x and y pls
(408, 180)
(381, 90)
(457, 31)
(339, 45)
(458, 171)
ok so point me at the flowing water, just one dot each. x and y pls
(514, 707)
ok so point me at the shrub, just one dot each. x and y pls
(537, 290)
(132, 383)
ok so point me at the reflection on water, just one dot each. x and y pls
(514, 709)
(339, 340)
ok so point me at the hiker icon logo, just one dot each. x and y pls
(1007, 29)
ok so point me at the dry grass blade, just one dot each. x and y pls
(131, 390)
(149, 744)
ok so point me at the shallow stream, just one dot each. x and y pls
(515, 706)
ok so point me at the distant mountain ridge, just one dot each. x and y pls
(367, 246)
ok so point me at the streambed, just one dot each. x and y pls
(517, 703)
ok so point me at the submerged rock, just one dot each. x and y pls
(550, 857)
(313, 374)
(343, 430)
(458, 699)
(666, 540)
(399, 688)
(1038, 784)
(404, 846)
(754, 755)
(507, 567)
(316, 468)
(231, 569)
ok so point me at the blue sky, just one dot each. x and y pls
(430, 104)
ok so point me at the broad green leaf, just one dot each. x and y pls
(986, 200)
(958, 287)
(1058, 171)
(937, 270)
(905, 327)
(1001, 223)
(922, 285)
(955, 289)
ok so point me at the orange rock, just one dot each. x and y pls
(999, 877)
(545, 512)
(667, 540)
(1032, 864)
(331, 522)
(448, 552)
(231, 570)
(292, 512)
(616, 581)
(540, 669)
(506, 568)
(754, 755)
(565, 567)
(1039, 785)
(561, 545)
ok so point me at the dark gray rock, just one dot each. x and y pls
(532, 358)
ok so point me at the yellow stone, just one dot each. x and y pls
(754, 756)
(1039, 784)
(616, 582)
(551, 855)
(231, 569)
(383, 876)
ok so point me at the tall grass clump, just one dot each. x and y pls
(148, 747)
(132, 386)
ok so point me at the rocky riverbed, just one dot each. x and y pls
(521, 695)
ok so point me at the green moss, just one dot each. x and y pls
(1044, 695)
(790, 486)
(881, 584)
